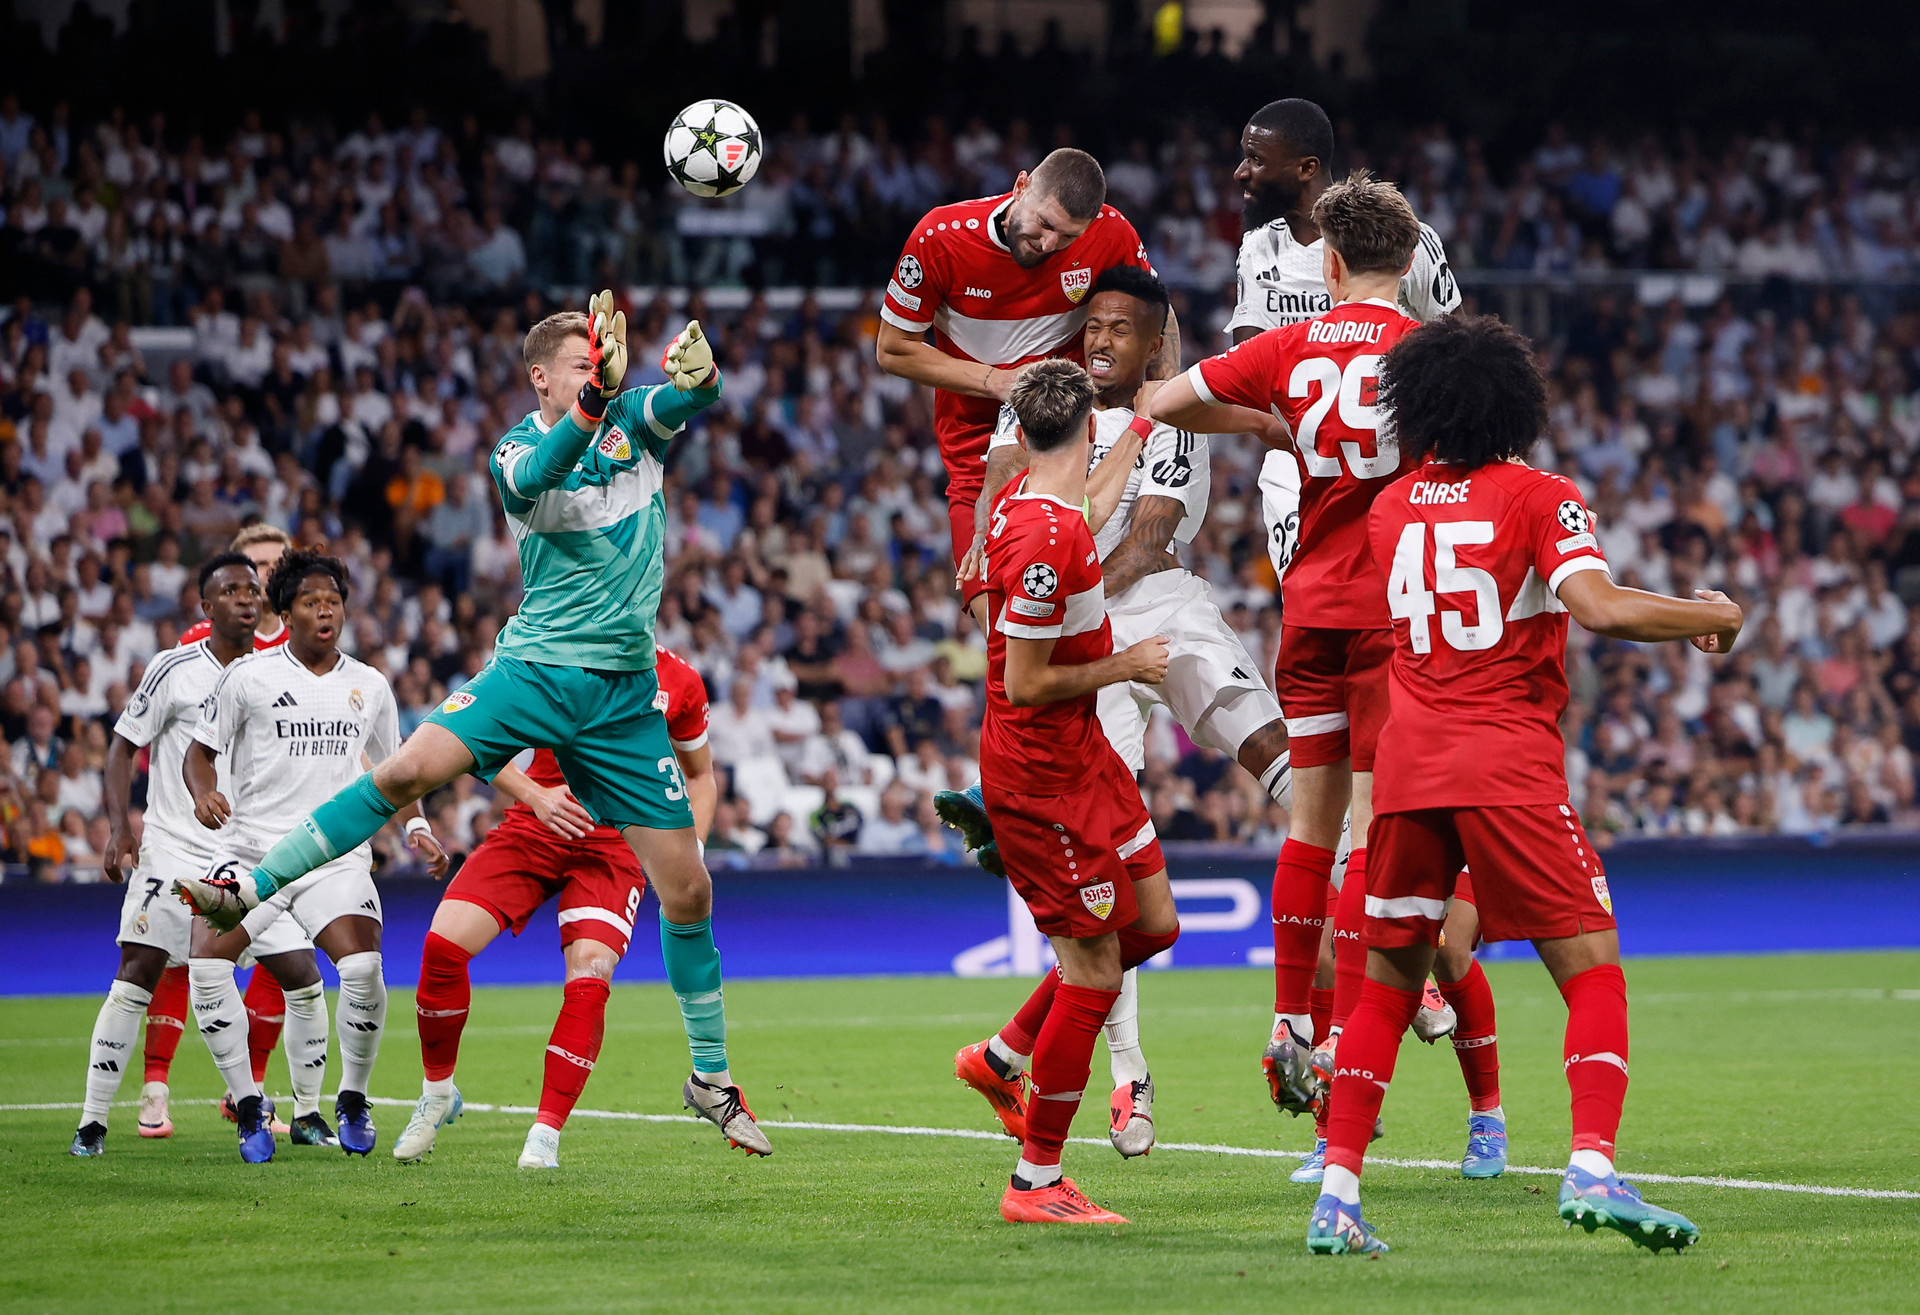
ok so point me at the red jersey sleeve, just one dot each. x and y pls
(1562, 531)
(1047, 573)
(1131, 250)
(919, 283)
(686, 696)
(1246, 374)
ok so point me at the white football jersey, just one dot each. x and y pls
(1172, 464)
(292, 739)
(1280, 283)
(162, 713)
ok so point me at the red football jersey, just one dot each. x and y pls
(1472, 563)
(1321, 376)
(957, 278)
(1043, 582)
(200, 629)
(682, 697)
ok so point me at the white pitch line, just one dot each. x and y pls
(1202, 1148)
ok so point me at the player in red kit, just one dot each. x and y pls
(548, 846)
(1078, 844)
(1320, 376)
(1483, 559)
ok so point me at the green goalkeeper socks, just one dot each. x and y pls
(344, 822)
(693, 971)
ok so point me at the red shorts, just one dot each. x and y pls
(960, 504)
(1538, 872)
(1332, 686)
(1074, 858)
(518, 868)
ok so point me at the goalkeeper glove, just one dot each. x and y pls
(688, 362)
(607, 351)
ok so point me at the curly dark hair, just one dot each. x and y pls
(294, 570)
(1464, 390)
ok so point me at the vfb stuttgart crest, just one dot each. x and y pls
(1576, 518)
(1098, 899)
(1075, 282)
(457, 700)
(1039, 580)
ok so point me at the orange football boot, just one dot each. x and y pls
(1007, 1096)
(1056, 1203)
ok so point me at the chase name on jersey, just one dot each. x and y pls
(1423, 494)
(317, 739)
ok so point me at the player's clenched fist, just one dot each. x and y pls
(212, 810)
(1719, 641)
(608, 348)
(688, 362)
(1148, 660)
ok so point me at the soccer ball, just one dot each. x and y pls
(713, 148)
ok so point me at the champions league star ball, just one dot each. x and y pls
(713, 148)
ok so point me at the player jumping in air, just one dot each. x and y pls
(1317, 375)
(573, 671)
(1483, 558)
(1078, 844)
(545, 847)
(154, 929)
(1212, 687)
(292, 725)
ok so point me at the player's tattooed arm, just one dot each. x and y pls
(1144, 550)
(1165, 363)
(1107, 481)
(910, 356)
(123, 854)
(1003, 463)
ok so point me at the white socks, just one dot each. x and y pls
(363, 1014)
(1123, 1032)
(1016, 1063)
(114, 1031)
(1037, 1175)
(1342, 1184)
(1592, 1162)
(1300, 1024)
(306, 1042)
(1277, 780)
(440, 1088)
(222, 1020)
(724, 1078)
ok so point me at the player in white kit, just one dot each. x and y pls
(295, 725)
(1213, 688)
(155, 929)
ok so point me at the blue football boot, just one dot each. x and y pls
(1486, 1155)
(91, 1139)
(1610, 1203)
(1314, 1167)
(1337, 1230)
(966, 812)
(354, 1123)
(255, 1121)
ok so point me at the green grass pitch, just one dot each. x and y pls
(1791, 1069)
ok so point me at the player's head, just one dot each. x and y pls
(1053, 400)
(264, 545)
(230, 595)
(1465, 390)
(1053, 205)
(1285, 152)
(1126, 316)
(1368, 226)
(310, 590)
(556, 354)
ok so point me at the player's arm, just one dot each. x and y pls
(1144, 550)
(1178, 403)
(1165, 363)
(1107, 481)
(703, 787)
(382, 742)
(910, 356)
(1003, 463)
(1032, 680)
(1618, 612)
(553, 805)
(122, 853)
(210, 807)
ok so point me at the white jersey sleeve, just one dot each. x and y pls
(1428, 290)
(1246, 299)
(1175, 465)
(223, 712)
(163, 713)
(383, 721)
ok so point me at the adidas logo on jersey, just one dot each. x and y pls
(286, 701)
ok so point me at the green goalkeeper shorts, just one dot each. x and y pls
(606, 728)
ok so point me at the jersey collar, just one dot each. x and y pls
(993, 223)
(1372, 301)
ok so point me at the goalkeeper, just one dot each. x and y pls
(573, 672)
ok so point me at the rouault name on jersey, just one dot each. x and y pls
(1344, 331)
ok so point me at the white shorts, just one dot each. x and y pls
(150, 912)
(341, 888)
(1213, 688)
(1280, 508)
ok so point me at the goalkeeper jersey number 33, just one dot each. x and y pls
(588, 517)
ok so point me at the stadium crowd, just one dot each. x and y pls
(354, 304)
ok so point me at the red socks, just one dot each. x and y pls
(1475, 1042)
(1368, 1049)
(440, 1004)
(1349, 950)
(1023, 1030)
(1596, 1053)
(1062, 1060)
(266, 1015)
(573, 1048)
(1300, 877)
(1136, 947)
(166, 1022)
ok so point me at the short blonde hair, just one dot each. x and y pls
(1050, 397)
(1369, 223)
(545, 339)
(260, 532)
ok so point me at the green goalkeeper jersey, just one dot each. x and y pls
(587, 513)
